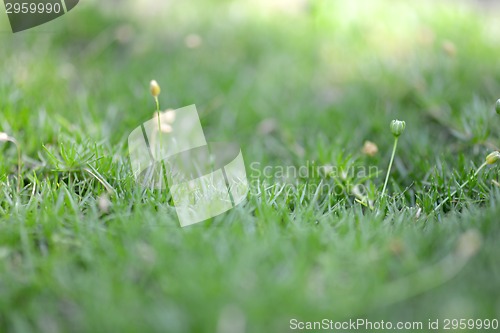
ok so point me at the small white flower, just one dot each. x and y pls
(168, 116)
(165, 119)
(4, 136)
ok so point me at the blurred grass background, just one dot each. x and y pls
(291, 81)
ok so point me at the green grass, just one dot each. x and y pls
(327, 77)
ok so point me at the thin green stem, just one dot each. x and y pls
(18, 169)
(157, 104)
(390, 165)
(159, 133)
(460, 187)
(158, 114)
(19, 160)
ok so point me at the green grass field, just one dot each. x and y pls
(299, 88)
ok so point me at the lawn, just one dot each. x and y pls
(300, 86)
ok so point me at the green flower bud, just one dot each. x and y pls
(493, 157)
(497, 106)
(397, 127)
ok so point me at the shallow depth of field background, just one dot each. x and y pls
(292, 82)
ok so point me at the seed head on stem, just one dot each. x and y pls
(397, 128)
(155, 91)
(492, 158)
